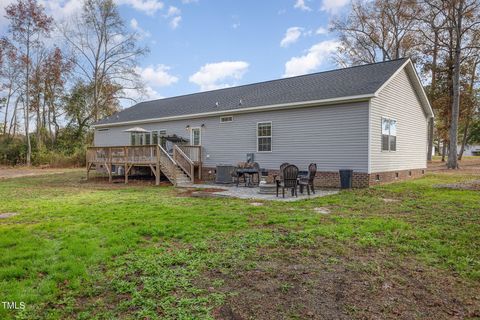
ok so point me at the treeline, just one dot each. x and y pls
(58, 77)
(443, 39)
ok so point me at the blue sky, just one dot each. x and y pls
(200, 45)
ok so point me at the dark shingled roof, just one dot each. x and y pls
(353, 81)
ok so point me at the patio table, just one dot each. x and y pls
(248, 175)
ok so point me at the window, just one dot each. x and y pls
(196, 137)
(157, 134)
(133, 139)
(264, 137)
(226, 119)
(140, 139)
(389, 134)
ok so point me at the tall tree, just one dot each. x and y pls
(28, 25)
(56, 69)
(463, 20)
(106, 52)
(377, 31)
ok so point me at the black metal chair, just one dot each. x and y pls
(289, 180)
(309, 181)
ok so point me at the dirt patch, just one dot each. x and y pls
(469, 165)
(8, 173)
(469, 185)
(289, 283)
(322, 210)
(199, 193)
(8, 215)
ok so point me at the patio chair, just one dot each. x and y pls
(289, 180)
(308, 182)
(278, 176)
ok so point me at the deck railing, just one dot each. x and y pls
(123, 154)
(194, 153)
(154, 156)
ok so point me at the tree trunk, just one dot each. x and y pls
(27, 105)
(431, 123)
(444, 150)
(7, 103)
(452, 152)
(464, 140)
(430, 139)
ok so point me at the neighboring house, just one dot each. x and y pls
(371, 118)
(470, 150)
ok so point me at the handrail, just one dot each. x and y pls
(183, 154)
(181, 158)
(166, 153)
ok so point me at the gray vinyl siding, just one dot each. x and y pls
(334, 137)
(399, 101)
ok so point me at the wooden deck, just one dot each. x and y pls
(185, 158)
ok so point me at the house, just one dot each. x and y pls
(470, 150)
(371, 119)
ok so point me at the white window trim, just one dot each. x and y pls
(200, 136)
(381, 134)
(226, 121)
(271, 136)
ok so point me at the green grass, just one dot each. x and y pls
(85, 250)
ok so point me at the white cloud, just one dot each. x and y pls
(300, 4)
(140, 31)
(333, 6)
(291, 36)
(321, 30)
(312, 60)
(61, 9)
(189, 1)
(175, 22)
(217, 75)
(148, 7)
(157, 76)
(173, 11)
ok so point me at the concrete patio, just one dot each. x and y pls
(242, 192)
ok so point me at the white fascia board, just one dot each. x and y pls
(283, 106)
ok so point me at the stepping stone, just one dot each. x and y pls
(322, 210)
(8, 215)
(387, 200)
(256, 204)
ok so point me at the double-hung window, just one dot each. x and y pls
(389, 134)
(264, 137)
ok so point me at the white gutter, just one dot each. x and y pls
(282, 106)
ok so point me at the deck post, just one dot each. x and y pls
(125, 152)
(157, 167)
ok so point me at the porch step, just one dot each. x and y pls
(181, 177)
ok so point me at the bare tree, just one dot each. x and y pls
(377, 31)
(464, 22)
(28, 24)
(106, 54)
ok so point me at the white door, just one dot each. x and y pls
(196, 136)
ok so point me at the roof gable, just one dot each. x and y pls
(336, 85)
(416, 83)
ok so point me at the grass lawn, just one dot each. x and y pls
(79, 250)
